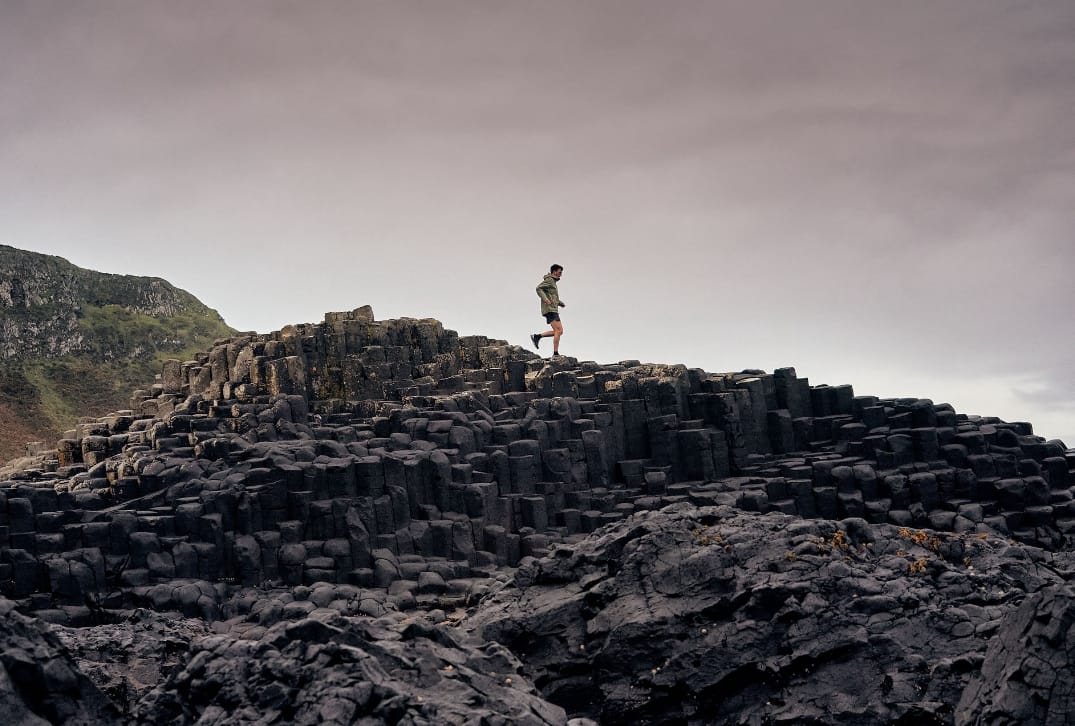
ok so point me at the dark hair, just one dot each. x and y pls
(554, 268)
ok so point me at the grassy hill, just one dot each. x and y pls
(75, 342)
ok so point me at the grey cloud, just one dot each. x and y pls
(887, 185)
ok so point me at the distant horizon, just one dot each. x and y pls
(878, 194)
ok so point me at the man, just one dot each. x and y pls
(550, 302)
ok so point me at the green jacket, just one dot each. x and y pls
(550, 296)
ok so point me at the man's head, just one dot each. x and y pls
(556, 271)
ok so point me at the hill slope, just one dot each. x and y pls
(74, 342)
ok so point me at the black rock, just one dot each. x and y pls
(40, 683)
(710, 615)
(1026, 676)
(312, 525)
(338, 670)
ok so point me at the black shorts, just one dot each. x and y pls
(549, 317)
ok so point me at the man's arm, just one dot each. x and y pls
(543, 290)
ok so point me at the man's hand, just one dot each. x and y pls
(562, 305)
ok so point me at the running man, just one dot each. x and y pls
(550, 304)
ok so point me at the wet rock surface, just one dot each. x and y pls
(628, 542)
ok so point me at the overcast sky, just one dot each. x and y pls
(875, 193)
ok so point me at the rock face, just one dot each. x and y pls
(50, 308)
(712, 615)
(128, 658)
(1026, 676)
(336, 670)
(848, 557)
(75, 341)
(39, 681)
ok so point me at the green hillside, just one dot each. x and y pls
(75, 342)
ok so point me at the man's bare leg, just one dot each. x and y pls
(555, 333)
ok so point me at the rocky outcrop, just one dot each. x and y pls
(39, 680)
(391, 468)
(711, 615)
(1026, 675)
(131, 655)
(328, 669)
